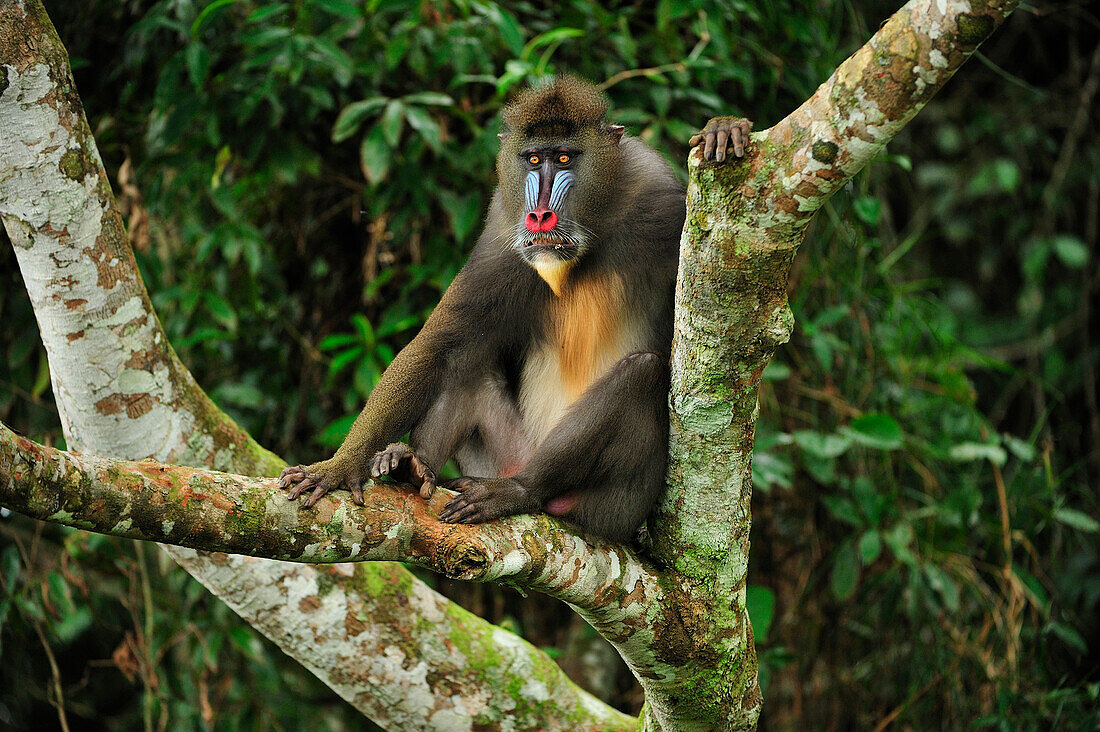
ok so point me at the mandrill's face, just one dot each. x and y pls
(554, 188)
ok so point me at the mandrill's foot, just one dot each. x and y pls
(722, 133)
(321, 478)
(485, 499)
(399, 462)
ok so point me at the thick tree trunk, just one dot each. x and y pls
(371, 632)
(682, 628)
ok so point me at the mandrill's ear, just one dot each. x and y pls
(501, 136)
(616, 133)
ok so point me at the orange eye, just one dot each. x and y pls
(563, 159)
(534, 160)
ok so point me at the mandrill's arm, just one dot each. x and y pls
(403, 394)
(412, 383)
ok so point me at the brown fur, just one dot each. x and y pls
(557, 109)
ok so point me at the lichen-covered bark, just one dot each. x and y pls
(121, 391)
(221, 512)
(744, 225)
(374, 633)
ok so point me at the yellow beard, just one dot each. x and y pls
(554, 272)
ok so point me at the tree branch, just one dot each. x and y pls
(870, 97)
(744, 225)
(219, 512)
(121, 390)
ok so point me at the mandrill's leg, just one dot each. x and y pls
(601, 467)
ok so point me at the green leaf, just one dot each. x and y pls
(870, 546)
(428, 128)
(760, 602)
(970, 451)
(842, 508)
(510, 31)
(375, 157)
(463, 211)
(868, 209)
(996, 176)
(899, 539)
(554, 36)
(42, 378)
(942, 583)
(242, 395)
(365, 328)
(72, 624)
(1077, 519)
(879, 431)
(336, 340)
(334, 433)
(776, 371)
(822, 445)
(341, 360)
(393, 119)
(261, 14)
(222, 311)
(340, 8)
(1024, 451)
(351, 116)
(1073, 252)
(427, 98)
(207, 13)
(198, 63)
(845, 574)
(1069, 636)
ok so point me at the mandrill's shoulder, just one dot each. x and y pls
(655, 200)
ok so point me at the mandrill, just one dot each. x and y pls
(543, 371)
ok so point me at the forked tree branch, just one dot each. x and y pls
(213, 511)
(370, 632)
(121, 391)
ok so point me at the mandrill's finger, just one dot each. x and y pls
(708, 149)
(427, 488)
(452, 506)
(316, 496)
(738, 146)
(357, 492)
(723, 140)
(299, 489)
(458, 484)
(460, 512)
(290, 474)
(746, 128)
(695, 139)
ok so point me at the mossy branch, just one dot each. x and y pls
(213, 511)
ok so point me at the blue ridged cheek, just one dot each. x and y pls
(563, 182)
(531, 190)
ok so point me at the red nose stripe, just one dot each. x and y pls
(541, 219)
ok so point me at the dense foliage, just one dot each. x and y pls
(303, 179)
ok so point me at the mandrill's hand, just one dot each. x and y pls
(399, 462)
(484, 499)
(720, 134)
(325, 476)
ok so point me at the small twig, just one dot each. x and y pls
(704, 40)
(147, 640)
(1068, 154)
(58, 702)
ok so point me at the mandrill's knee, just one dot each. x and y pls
(645, 369)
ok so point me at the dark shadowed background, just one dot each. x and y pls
(303, 179)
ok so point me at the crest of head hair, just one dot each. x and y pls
(559, 108)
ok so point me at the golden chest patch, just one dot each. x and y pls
(587, 333)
